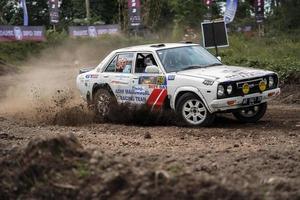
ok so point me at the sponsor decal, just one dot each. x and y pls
(171, 77)
(91, 76)
(147, 80)
(208, 82)
(157, 86)
(159, 80)
(133, 91)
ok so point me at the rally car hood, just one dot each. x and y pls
(225, 73)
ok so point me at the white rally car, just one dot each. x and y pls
(180, 76)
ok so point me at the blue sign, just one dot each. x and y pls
(231, 6)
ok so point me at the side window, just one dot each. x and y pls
(112, 65)
(142, 61)
(122, 63)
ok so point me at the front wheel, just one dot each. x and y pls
(251, 114)
(192, 111)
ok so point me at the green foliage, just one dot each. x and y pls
(279, 54)
(15, 52)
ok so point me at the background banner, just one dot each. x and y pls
(93, 31)
(134, 13)
(259, 10)
(231, 6)
(22, 33)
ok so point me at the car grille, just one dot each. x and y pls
(253, 84)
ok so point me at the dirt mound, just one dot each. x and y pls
(290, 94)
(60, 168)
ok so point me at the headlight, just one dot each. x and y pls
(221, 90)
(229, 89)
(271, 81)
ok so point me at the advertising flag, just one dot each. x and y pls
(231, 6)
(54, 11)
(259, 10)
(134, 9)
(25, 13)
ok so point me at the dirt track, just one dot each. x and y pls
(254, 156)
(227, 161)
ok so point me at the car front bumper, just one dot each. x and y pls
(232, 103)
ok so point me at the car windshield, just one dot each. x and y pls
(184, 58)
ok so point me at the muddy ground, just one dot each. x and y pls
(51, 147)
(108, 160)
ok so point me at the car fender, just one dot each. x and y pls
(188, 89)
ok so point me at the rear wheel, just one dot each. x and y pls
(251, 114)
(103, 102)
(192, 111)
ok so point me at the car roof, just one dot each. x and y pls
(154, 47)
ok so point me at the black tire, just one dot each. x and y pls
(103, 101)
(191, 114)
(254, 113)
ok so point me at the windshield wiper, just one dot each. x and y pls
(191, 67)
(214, 64)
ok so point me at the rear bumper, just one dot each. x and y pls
(237, 102)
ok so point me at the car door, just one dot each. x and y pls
(120, 80)
(148, 88)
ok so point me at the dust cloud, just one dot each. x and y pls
(45, 86)
(44, 92)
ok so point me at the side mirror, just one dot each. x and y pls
(219, 58)
(152, 69)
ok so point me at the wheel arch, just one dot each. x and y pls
(98, 86)
(183, 90)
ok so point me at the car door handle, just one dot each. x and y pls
(105, 76)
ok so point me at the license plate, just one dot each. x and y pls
(252, 100)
